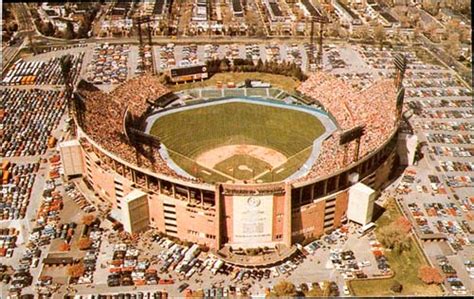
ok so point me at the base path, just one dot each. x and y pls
(219, 154)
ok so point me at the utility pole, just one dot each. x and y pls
(32, 44)
(318, 17)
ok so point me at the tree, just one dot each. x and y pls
(64, 247)
(315, 291)
(224, 66)
(380, 35)
(453, 46)
(284, 288)
(66, 65)
(84, 243)
(198, 294)
(429, 275)
(69, 31)
(76, 270)
(364, 32)
(88, 219)
(304, 287)
(396, 287)
(403, 224)
(83, 31)
(47, 28)
(391, 238)
(330, 289)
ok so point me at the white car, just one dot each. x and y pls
(346, 290)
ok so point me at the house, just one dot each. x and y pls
(348, 17)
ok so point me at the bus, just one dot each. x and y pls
(365, 229)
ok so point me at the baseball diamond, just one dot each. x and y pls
(238, 139)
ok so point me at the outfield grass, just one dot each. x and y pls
(405, 266)
(286, 83)
(192, 132)
(230, 166)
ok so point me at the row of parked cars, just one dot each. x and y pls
(29, 117)
(16, 186)
(346, 263)
(94, 233)
(167, 57)
(39, 72)
(139, 295)
(22, 277)
(78, 198)
(126, 268)
(8, 238)
(189, 55)
(457, 287)
(429, 93)
(380, 258)
(109, 64)
(144, 60)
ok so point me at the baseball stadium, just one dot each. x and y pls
(238, 166)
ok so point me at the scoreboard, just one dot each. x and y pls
(188, 73)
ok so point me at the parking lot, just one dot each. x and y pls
(436, 193)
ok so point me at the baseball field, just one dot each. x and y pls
(238, 141)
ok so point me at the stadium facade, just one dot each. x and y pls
(239, 215)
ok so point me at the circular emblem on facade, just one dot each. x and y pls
(204, 69)
(253, 201)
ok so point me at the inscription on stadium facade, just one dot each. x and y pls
(253, 219)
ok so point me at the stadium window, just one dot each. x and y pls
(306, 195)
(331, 184)
(343, 180)
(319, 189)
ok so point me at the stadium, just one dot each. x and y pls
(236, 167)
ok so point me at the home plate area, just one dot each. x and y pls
(241, 162)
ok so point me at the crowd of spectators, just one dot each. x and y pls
(373, 107)
(105, 112)
(28, 118)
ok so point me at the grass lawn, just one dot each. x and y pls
(405, 266)
(195, 131)
(286, 83)
(253, 167)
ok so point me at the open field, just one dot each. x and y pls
(192, 132)
(280, 81)
(405, 266)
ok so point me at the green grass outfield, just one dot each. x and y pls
(195, 131)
